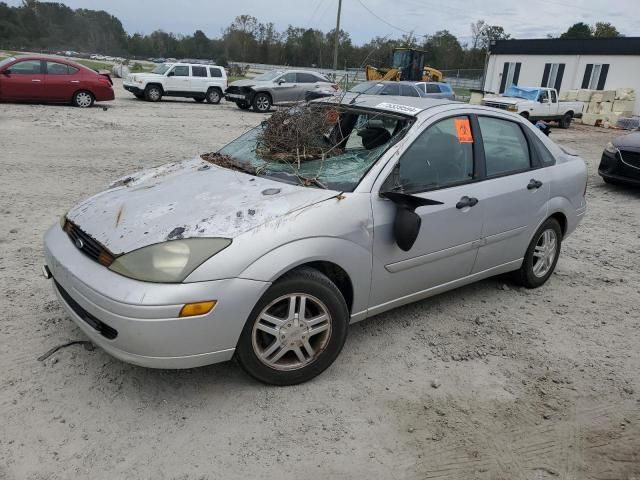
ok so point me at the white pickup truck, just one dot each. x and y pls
(536, 103)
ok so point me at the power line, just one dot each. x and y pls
(382, 19)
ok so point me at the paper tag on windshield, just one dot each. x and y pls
(463, 130)
(399, 108)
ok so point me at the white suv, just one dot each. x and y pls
(197, 81)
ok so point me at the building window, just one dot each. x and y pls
(510, 75)
(595, 76)
(552, 75)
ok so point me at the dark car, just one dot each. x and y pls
(620, 162)
(405, 89)
(37, 78)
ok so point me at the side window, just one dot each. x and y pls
(505, 147)
(439, 157)
(544, 96)
(306, 78)
(288, 77)
(28, 67)
(408, 91)
(431, 88)
(198, 71)
(215, 72)
(181, 71)
(543, 153)
(391, 89)
(554, 98)
(54, 68)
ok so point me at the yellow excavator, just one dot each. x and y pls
(408, 64)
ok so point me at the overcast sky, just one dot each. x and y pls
(520, 18)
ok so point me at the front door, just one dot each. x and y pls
(439, 165)
(285, 88)
(178, 79)
(23, 81)
(516, 192)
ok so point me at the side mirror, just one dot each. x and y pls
(6, 71)
(281, 81)
(171, 74)
(406, 225)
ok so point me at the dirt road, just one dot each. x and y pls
(490, 381)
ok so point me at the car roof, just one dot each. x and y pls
(52, 58)
(411, 106)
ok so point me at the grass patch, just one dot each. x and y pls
(461, 92)
(233, 79)
(95, 65)
(140, 68)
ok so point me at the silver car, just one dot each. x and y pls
(191, 263)
(277, 87)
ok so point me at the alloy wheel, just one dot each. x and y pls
(544, 253)
(263, 104)
(83, 99)
(291, 332)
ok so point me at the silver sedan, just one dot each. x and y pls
(236, 253)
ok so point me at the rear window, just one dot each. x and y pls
(198, 71)
(432, 88)
(391, 89)
(408, 91)
(55, 68)
(215, 72)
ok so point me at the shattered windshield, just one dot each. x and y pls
(161, 69)
(314, 145)
(521, 92)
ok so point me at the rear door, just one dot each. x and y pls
(199, 79)
(307, 82)
(23, 80)
(61, 81)
(516, 191)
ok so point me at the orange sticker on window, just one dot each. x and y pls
(463, 129)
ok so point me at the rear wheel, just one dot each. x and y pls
(262, 102)
(243, 105)
(214, 96)
(295, 331)
(565, 121)
(542, 255)
(153, 93)
(82, 99)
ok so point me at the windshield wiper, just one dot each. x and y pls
(312, 181)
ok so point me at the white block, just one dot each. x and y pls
(623, 106)
(608, 95)
(606, 107)
(591, 118)
(563, 95)
(572, 95)
(593, 107)
(596, 97)
(584, 95)
(625, 94)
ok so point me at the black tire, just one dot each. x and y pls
(565, 121)
(83, 99)
(526, 275)
(525, 115)
(303, 281)
(139, 96)
(262, 102)
(199, 99)
(243, 105)
(153, 93)
(213, 96)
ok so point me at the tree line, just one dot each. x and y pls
(49, 26)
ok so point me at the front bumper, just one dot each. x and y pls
(238, 97)
(133, 89)
(138, 321)
(613, 168)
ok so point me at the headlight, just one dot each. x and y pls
(512, 108)
(168, 262)
(610, 148)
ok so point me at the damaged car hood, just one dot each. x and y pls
(185, 200)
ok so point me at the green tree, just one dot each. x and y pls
(605, 29)
(577, 30)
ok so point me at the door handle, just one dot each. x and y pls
(74, 81)
(466, 202)
(35, 80)
(534, 184)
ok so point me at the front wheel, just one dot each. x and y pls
(542, 255)
(295, 331)
(82, 99)
(262, 102)
(153, 93)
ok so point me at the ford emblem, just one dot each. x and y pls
(79, 243)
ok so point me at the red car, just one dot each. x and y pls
(39, 78)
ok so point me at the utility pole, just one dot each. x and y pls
(336, 38)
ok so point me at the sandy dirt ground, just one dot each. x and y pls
(490, 381)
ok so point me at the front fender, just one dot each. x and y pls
(353, 258)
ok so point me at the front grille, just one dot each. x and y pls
(502, 106)
(102, 328)
(87, 245)
(631, 159)
(234, 89)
